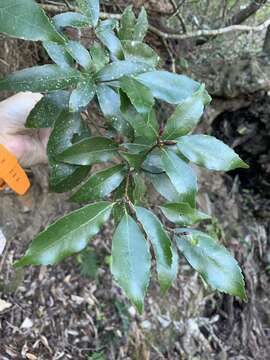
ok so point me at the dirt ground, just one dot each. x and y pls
(57, 313)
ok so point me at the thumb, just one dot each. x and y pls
(15, 110)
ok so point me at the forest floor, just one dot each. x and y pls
(50, 313)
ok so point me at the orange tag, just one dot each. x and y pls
(11, 173)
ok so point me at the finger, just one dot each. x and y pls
(15, 110)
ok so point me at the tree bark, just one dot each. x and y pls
(266, 44)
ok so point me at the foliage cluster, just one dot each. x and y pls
(138, 150)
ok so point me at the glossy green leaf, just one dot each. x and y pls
(105, 33)
(209, 152)
(65, 177)
(140, 189)
(139, 95)
(90, 8)
(68, 128)
(161, 244)
(136, 148)
(90, 151)
(99, 55)
(187, 115)
(70, 19)
(215, 264)
(152, 163)
(183, 213)
(118, 69)
(109, 102)
(48, 109)
(100, 184)
(167, 86)
(145, 125)
(134, 160)
(40, 78)
(79, 54)
(127, 23)
(58, 54)
(26, 20)
(82, 95)
(131, 260)
(141, 27)
(67, 236)
(181, 175)
(138, 51)
(164, 186)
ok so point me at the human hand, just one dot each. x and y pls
(29, 146)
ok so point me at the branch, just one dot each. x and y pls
(245, 13)
(210, 33)
(175, 36)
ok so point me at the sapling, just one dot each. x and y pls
(135, 148)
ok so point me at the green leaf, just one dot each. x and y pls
(48, 109)
(100, 57)
(24, 19)
(161, 244)
(105, 33)
(215, 264)
(41, 78)
(88, 263)
(139, 95)
(144, 125)
(68, 128)
(67, 236)
(101, 184)
(152, 163)
(140, 189)
(209, 152)
(164, 187)
(58, 54)
(131, 260)
(187, 115)
(127, 23)
(79, 54)
(181, 175)
(170, 87)
(70, 19)
(141, 26)
(136, 148)
(134, 160)
(137, 51)
(109, 102)
(90, 8)
(82, 95)
(90, 151)
(65, 177)
(183, 213)
(118, 69)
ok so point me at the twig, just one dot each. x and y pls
(175, 36)
(177, 13)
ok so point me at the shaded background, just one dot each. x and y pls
(73, 311)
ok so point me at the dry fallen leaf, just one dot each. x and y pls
(27, 323)
(4, 305)
(2, 242)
